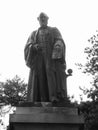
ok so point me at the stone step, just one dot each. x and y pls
(31, 110)
(46, 118)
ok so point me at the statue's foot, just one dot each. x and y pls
(46, 104)
(54, 100)
(37, 104)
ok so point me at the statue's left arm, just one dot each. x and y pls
(59, 44)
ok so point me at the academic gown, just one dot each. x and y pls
(47, 78)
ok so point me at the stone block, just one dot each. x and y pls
(46, 118)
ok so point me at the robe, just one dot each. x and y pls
(47, 77)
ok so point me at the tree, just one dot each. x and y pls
(91, 67)
(90, 108)
(13, 91)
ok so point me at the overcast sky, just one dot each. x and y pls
(77, 21)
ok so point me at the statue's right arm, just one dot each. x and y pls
(29, 48)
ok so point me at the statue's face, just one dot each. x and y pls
(43, 21)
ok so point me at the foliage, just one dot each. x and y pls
(92, 56)
(90, 111)
(13, 91)
(91, 67)
(90, 108)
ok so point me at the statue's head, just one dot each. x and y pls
(43, 19)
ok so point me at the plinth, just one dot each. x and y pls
(46, 118)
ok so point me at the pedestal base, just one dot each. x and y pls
(46, 118)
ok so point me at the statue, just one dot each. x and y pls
(45, 56)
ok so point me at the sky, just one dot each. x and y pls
(77, 21)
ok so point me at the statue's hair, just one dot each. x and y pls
(42, 14)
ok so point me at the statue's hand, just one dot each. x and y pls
(36, 46)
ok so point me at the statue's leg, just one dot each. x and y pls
(31, 95)
(43, 85)
(51, 78)
(61, 84)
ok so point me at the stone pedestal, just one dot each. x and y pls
(46, 118)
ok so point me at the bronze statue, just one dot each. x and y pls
(45, 56)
